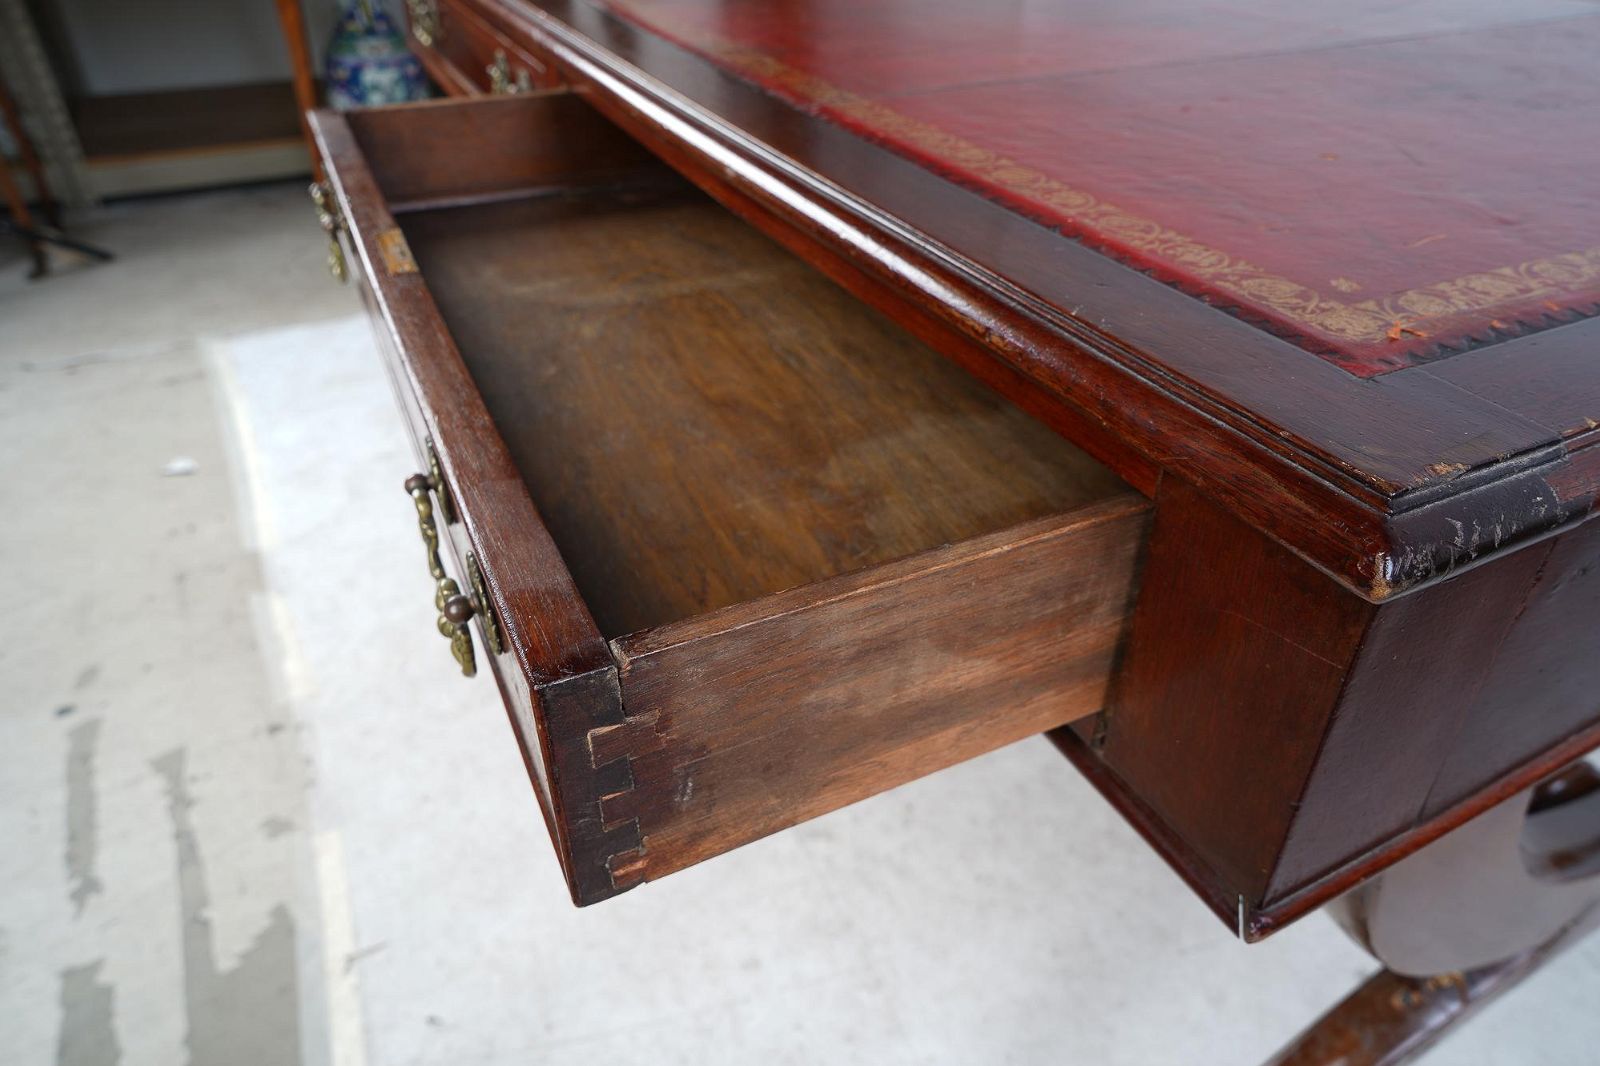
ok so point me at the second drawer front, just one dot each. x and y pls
(466, 56)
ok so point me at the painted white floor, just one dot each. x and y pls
(250, 814)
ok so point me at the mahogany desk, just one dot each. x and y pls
(732, 336)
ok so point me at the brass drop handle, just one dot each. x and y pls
(455, 610)
(501, 82)
(424, 21)
(330, 221)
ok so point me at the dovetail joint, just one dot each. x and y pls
(615, 805)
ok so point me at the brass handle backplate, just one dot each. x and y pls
(501, 83)
(329, 219)
(456, 609)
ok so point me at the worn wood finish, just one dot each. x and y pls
(751, 719)
(703, 420)
(725, 427)
(1391, 1019)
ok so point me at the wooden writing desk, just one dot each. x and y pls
(1302, 579)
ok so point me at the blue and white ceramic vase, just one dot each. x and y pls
(368, 62)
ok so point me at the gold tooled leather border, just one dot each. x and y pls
(1366, 321)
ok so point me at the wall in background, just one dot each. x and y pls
(109, 47)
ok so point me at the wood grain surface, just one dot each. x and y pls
(751, 719)
(703, 419)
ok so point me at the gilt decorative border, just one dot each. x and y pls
(1395, 317)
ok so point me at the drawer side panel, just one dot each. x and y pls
(556, 672)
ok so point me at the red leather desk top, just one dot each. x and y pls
(1383, 184)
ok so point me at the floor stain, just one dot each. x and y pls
(87, 1036)
(275, 827)
(358, 954)
(83, 843)
(250, 1013)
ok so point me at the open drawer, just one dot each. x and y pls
(741, 550)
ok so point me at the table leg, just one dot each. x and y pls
(29, 157)
(1462, 921)
(11, 194)
(305, 82)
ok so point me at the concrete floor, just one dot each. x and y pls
(250, 815)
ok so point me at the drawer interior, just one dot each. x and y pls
(702, 419)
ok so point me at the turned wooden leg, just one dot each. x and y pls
(1462, 921)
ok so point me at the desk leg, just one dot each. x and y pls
(305, 81)
(1462, 921)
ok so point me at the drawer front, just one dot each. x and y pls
(764, 715)
(655, 749)
(467, 56)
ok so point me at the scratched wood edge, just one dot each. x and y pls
(1091, 553)
(1316, 505)
(558, 651)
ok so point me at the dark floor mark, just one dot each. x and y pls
(83, 841)
(358, 954)
(65, 709)
(274, 827)
(87, 1037)
(250, 1013)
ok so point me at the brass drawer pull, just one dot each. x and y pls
(501, 83)
(424, 21)
(455, 608)
(329, 219)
